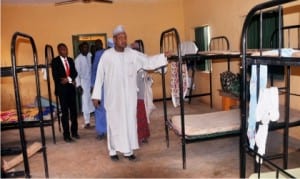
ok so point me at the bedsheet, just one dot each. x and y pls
(285, 52)
(29, 114)
(221, 122)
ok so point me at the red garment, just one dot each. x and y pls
(142, 123)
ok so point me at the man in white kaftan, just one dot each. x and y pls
(117, 71)
(83, 81)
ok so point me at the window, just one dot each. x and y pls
(202, 37)
(267, 22)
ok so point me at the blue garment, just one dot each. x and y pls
(263, 75)
(100, 113)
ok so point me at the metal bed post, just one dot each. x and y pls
(181, 98)
(287, 118)
(210, 87)
(18, 102)
(174, 32)
(287, 95)
(49, 56)
(18, 106)
(192, 81)
(49, 49)
(164, 93)
(221, 47)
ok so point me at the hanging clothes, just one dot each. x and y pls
(267, 110)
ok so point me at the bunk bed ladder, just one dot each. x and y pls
(48, 56)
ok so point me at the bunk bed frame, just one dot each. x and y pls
(289, 119)
(13, 71)
(171, 35)
(247, 61)
(218, 43)
(7, 71)
(49, 55)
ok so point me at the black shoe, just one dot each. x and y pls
(131, 157)
(114, 157)
(76, 136)
(100, 137)
(144, 141)
(68, 139)
(87, 126)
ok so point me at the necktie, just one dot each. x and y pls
(67, 67)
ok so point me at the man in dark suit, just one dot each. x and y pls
(64, 74)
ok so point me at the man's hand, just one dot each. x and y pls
(168, 54)
(80, 90)
(91, 90)
(96, 103)
(64, 81)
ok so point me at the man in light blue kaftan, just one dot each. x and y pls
(100, 113)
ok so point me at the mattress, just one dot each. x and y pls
(29, 114)
(285, 52)
(219, 52)
(208, 123)
(222, 122)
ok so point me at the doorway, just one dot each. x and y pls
(90, 39)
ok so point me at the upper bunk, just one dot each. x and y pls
(219, 48)
(280, 55)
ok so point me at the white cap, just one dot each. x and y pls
(119, 29)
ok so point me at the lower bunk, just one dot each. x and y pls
(273, 170)
(220, 124)
(31, 118)
(288, 173)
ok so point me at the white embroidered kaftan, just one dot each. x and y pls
(83, 79)
(117, 71)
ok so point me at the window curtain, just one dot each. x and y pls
(202, 38)
(269, 24)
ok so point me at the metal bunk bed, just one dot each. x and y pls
(49, 55)
(286, 42)
(13, 71)
(171, 36)
(226, 123)
(7, 71)
(261, 59)
(216, 45)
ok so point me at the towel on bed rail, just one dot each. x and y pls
(175, 90)
(187, 47)
(267, 110)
